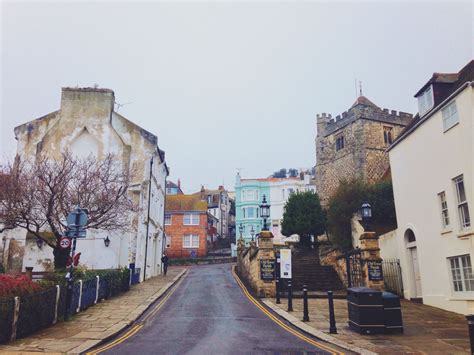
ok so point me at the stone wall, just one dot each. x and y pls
(363, 156)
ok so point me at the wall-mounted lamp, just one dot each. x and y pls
(107, 242)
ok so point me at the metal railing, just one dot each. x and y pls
(392, 273)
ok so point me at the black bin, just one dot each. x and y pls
(392, 313)
(366, 311)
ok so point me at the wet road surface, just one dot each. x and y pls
(209, 314)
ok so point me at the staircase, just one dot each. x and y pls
(307, 270)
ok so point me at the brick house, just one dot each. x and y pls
(353, 145)
(189, 228)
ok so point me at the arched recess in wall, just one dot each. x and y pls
(85, 144)
(413, 266)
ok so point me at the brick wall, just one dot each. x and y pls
(176, 230)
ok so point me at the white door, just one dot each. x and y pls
(416, 272)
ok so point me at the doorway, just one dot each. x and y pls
(416, 292)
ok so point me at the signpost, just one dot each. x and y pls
(285, 263)
(267, 269)
(65, 243)
(76, 222)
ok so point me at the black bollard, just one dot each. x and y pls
(277, 281)
(290, 297)
(470, 324)
(332, 318)
(305, 304)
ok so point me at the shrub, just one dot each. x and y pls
(17, 285)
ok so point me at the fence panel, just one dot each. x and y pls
(104, 288)
(89, 288)
(36, 312)
(75, 298)
(7, 307)
(392, 273)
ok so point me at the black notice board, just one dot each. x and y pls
(375, 270)
(267, 270)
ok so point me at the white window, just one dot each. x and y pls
(444, 209)
(167, 219)
(450, 116)
(190, 241)
(191, 219)
(463, 209)
(249, 195)
(425, 101)
(249, 212)
(461, 273)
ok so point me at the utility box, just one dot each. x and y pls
(366, 310)
(392, 313)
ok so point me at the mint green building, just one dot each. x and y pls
(248, 197)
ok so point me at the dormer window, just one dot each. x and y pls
(425, 101)
(339, 142)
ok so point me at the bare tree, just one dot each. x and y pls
(38, 196)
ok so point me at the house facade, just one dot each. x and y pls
(173, 189)
(353, 145)
(432, 174)
(219, 206)
(190, 229)
(249, 195)
(86, 124)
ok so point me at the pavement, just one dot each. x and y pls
(427, 330)
(97, 323)
(208, 313)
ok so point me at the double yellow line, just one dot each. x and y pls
(136, 328)
(279, 322)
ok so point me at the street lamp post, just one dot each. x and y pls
(366, 212)
(241, 230)
(265, 212)
(252, 233)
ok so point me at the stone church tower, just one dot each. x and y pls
(353, 145)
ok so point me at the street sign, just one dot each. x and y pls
(65, 243)
(285, 264)
(375, 270)
(76, 221)
(267, 269)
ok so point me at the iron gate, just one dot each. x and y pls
(393, 276)
(354, 276)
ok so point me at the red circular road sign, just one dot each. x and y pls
(65, 243)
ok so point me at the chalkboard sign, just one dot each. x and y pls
(267, 270)
(375, 270)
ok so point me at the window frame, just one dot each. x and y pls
(197, 215)
(340, 142)
(443, 205)
(426, 101)
(245, 212)
(245, 196)
(388, 135)
(446, 119)
(462, 204)
(192, 239)
(459, 281)
(170, 219)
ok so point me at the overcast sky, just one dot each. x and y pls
(227, 85)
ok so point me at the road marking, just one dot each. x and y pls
(135, 329)
(278, 321)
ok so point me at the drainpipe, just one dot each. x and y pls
(148, 219)
(163, 238)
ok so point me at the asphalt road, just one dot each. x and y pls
(209, 314)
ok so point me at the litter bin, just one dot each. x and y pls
(392, 313)
(366, 312)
